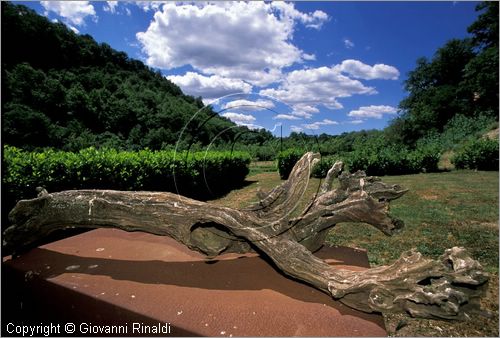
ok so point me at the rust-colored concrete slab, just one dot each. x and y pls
(112, 277)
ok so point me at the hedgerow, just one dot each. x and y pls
(374, 161)
(481, 154)
(286, 161)
(394, 161)
(197, 175)
(325, 163)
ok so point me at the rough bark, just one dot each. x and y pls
(449, 288)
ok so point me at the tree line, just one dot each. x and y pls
(65, 91)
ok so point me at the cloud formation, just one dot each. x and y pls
(147, 6)
(73, 12)
(249, 105)
(245, 120)
(286, 117)
(250, 41)
(319, 124)
(296, 129)
(110, 6)
(239, 118)
(209, 87)
(359, 70)
(375, 112)
(306, 89)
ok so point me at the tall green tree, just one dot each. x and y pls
(460, 79)
(481, 73)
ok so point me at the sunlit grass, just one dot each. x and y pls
(441, 210)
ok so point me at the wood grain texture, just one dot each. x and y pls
(448, 288)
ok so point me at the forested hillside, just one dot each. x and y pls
(66, 91)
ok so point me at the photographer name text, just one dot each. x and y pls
(47, 330)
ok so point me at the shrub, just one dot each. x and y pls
(325, 163)
(375, 161)
(195, 174)
(286, 161)
(461, 128)
(393, 160)
(481, 154)
(263, 153)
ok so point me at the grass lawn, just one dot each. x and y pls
(441, 210)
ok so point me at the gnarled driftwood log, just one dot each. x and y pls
(449, 288)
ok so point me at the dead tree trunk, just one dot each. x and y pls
(449, 288)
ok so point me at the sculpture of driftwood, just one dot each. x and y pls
(448, 288)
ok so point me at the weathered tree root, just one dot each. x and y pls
(449, 288)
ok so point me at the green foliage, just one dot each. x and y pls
(263, 153)
(485, 28)
(194, 174)
(460, 79)
(481, 154)
(459, 130)
(384, 161)
(286, 161)
(66, 91)
(369, 151)
(435, 95)
(325, 163)
(424, 159)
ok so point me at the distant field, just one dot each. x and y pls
(262, 166)
(441, 210)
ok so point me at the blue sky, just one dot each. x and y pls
(316, 67)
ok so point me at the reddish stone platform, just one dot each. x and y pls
(112, 277)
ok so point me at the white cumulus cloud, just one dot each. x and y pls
(286, 117)
(250, 41)
(252, 126)
(296, 129)
(241, 119)
(73, 12)
(304, 110)
(209, 87)
(314, 19)
(319, 124)
(249, 105)
(245, 120)
(110, 6)
(147, 6)
(375, 112)
(308, 88)
(359, 70)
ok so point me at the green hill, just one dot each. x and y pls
(66, 91)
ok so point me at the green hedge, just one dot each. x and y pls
(286, 161)
(199, 175)
(394, 161)
(481, 154)
(325, 163)
(375, 162)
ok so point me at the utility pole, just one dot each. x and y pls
(281, 137)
